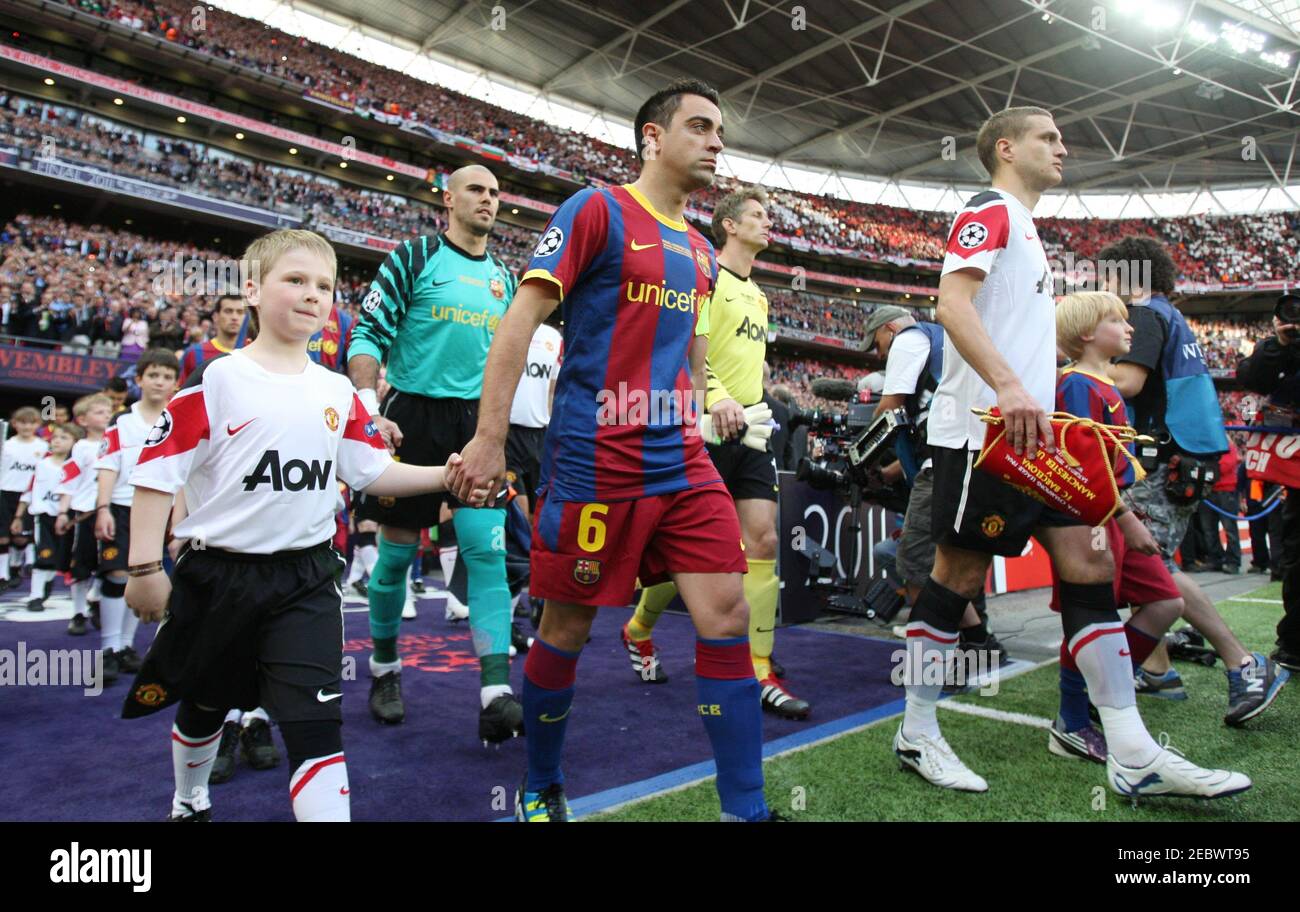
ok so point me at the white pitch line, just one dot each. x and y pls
(984, 712)
(1240, 598)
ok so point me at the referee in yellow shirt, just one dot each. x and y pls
(737, 347)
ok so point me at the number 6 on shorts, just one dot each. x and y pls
(591, 530)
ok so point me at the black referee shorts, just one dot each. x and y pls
(249, 630)
(432, 429)
(524, 458)
(973, 510)
(747, 473)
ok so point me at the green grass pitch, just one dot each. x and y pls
(855, 777)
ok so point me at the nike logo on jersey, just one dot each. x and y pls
(1029, 237)
(1112, 408)
(636, 246)
(345, 790)
(233, 431)
(1123, 652)
(323, 697)
(544, 717)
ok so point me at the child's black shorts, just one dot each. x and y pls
(249, 630)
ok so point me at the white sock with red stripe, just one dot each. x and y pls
(931, 638)
(319, 789)
(928, 650)
(191, 766)
(1101, 653)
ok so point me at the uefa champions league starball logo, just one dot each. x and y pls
(972, 235)
(551, 242)
(161, 429)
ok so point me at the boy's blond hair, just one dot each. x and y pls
(1078, 314)
(260, 257)
(25, 413)
(86, 403)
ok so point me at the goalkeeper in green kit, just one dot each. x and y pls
(431, 313)
(736, 430)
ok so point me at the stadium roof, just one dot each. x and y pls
(880, 101)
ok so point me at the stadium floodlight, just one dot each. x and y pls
(1280, 59)
(1161, 15)
(1241, 39)
(1201, 33)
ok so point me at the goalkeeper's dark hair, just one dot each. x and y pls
(1142, 249)
(660, 107)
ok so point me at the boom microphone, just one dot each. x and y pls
(835, 390)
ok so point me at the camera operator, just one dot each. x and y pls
(1274, 369)
(1170, 396)
(913, 356)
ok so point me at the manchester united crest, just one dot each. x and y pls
(331, 419)
(498, 288)
(586, 571)
(109, 553)
(992, 525)
(702, 258)
(150, 694)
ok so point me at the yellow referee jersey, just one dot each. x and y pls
(737, 330)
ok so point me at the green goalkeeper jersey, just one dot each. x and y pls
(430, 315)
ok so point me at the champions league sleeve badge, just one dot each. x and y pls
(972, 235)
(550, 243)
(161, 430)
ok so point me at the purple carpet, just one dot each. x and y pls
(67, 756)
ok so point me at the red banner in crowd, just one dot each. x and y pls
(1272, 458)
(51, 371)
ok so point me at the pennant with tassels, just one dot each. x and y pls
(1079, 479)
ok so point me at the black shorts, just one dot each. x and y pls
(973, 510)
(249, 630)
(115, 555)
(84, 561)
(9, 507)
(524, 458)
(52, 551)
(363, 540)
(748, 474)
(432, 429)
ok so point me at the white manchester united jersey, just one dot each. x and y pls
(20, 459)
(79, 477)
(995, 235)
(260, 454)
(42, 498)
(120, 451)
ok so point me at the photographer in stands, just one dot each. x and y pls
(1169, 396)
(913, 356)
(1274, 368)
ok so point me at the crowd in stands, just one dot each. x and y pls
(798, 373)
(1226, 340)
(1229, 249)
(104, 291)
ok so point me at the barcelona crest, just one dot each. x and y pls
(586, 571)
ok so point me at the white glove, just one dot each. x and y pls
(757, 432)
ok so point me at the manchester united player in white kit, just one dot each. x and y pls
(254, 611)
(996, 306)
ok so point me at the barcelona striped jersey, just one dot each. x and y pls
(633, 284)
(1086, 395)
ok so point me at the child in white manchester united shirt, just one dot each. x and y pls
(257, 439)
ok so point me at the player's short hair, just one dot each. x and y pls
(729, 208)
(117, 385)
(1078, 314)
(25, 413)
(157, 357)
(660, 107)
(70, 429)
(1140, 249)
(1007, 124)
(86, 403)
(260, 257)
(221, 299)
